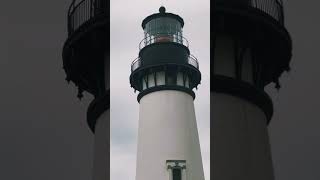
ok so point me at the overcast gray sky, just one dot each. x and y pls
(126, 34)
(44, 134)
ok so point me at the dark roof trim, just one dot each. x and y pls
(159, 15)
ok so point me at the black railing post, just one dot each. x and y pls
(92, 8)
(282, 11)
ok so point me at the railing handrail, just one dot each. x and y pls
(192, 58)
(137, 63)
(75, 15)
(273, 8)
(134, 63)
(152, 40)
(71, 7)
(75, 7)
(80, 12)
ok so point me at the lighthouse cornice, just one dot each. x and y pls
(154, 78)
(166, 87)
(245, 91)
(145, 44)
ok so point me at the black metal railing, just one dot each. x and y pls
(192, 60)
(137, 63)
(273, 8)
(81, 11)
(160, 38)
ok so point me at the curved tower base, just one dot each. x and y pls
(241, 147)
(168, 133)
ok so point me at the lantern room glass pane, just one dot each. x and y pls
(180, 79)
(151, 82)
(160, 76)
(163, 29)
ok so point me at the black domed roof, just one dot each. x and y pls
(162, 13)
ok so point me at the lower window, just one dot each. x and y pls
(177, 169)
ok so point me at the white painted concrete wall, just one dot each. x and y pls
(167, 131)
(241, 149)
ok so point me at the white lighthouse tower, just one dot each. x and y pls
(251, 48)
(165, 74)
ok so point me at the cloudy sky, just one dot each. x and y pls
(126, 33)
(43, 131)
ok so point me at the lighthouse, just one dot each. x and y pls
(86, 61)
(165, 74)
(251, 48)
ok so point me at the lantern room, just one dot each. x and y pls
(164, 61)
(162, 27)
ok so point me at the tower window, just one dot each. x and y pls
(177, 169)
(176, 174)
(171, 78)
